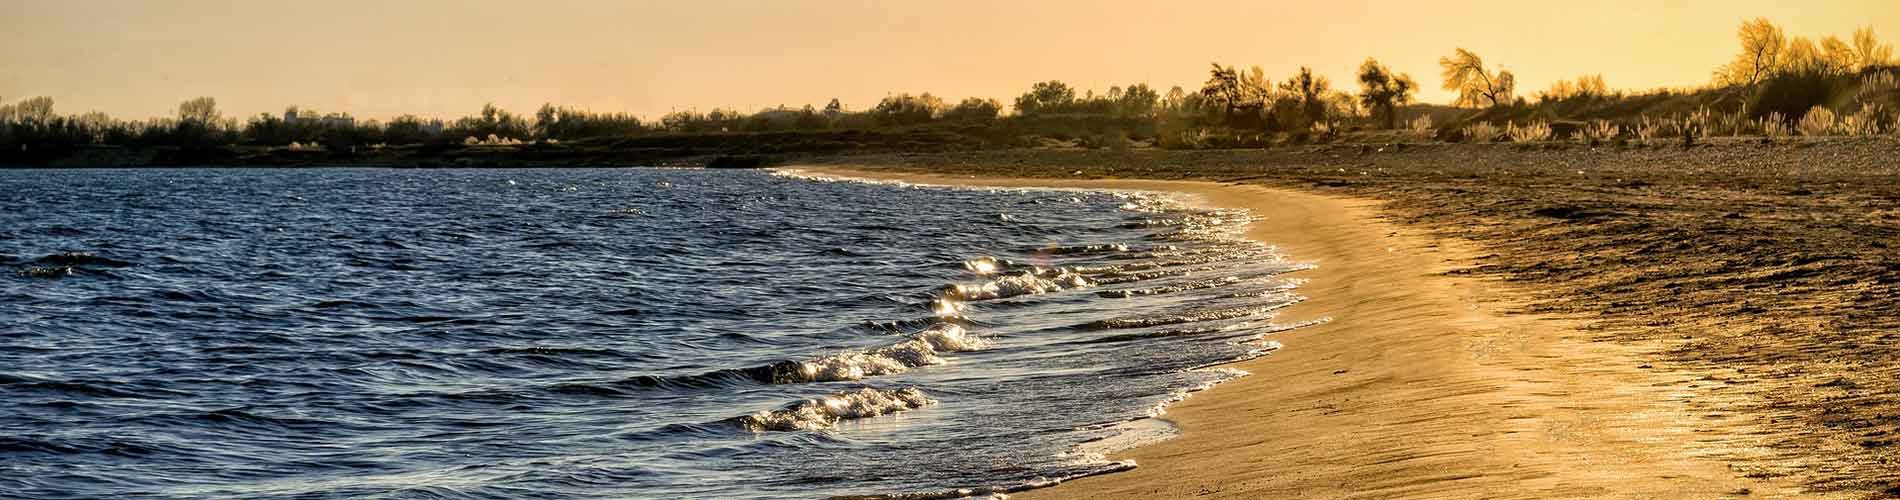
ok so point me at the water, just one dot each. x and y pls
(588, 333)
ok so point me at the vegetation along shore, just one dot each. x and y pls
(1736, 241)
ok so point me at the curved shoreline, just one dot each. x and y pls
(1424, 385)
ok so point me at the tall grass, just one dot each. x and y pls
(1648, 129)
(1598, 132)
(1818, 122)
(1421, 126)
(1530, 132)
(1774, 126)
(1481, 132)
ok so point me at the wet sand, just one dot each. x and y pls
(1430, 382)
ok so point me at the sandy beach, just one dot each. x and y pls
(1427, 383)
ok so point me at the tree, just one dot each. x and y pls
(906, 109)
(1802, 55)
(1868, 51)
(1763, 48)
(1176, 100)
(1838, 56)
(1465, 74)
(35, 110)
(1382, 92)
(1046, 97)
(1239, 96)
(974, 109)
(1309, 91)
(1585, 86)
(202, 111)
(1138, 100)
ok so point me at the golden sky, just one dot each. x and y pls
(376, 59)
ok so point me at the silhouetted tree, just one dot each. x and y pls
(906, 109)
(199, 122)
(1046, 97)
(34, 110)
(1137, 101)
(492, 121)
(409, 129)
(1585, 86)
(974, 109)
(552, 122)
(1383, 92)
(1308, 92)
(1239, 96)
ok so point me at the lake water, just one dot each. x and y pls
(598, 333)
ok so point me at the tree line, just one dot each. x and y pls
(1232, 107)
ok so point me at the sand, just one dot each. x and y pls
(1425, 384)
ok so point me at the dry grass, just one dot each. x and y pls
(1818, 122)
(1599, 131)
(1530, 132)
(1421, 126)
(1648, 129)
(1775, 126)
(1482, 132)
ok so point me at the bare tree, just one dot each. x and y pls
(1763, 49)
(1465, 74)
(1804, 55)
(34, 110)
(1868, 51)
(202, 111)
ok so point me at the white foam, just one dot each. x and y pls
(922, 349)
(1033, 281)
(825, 412)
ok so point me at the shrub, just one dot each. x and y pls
(1791, 93)
(1531, 132)
(1878, 88)
(1818, 122)
(1481, 132)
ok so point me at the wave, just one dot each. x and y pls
(923, 349)
(1033, 281)
(827, 411)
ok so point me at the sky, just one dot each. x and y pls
(443, 58)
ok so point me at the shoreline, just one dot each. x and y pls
(1423, 385)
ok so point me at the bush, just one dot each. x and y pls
(1793, 93)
